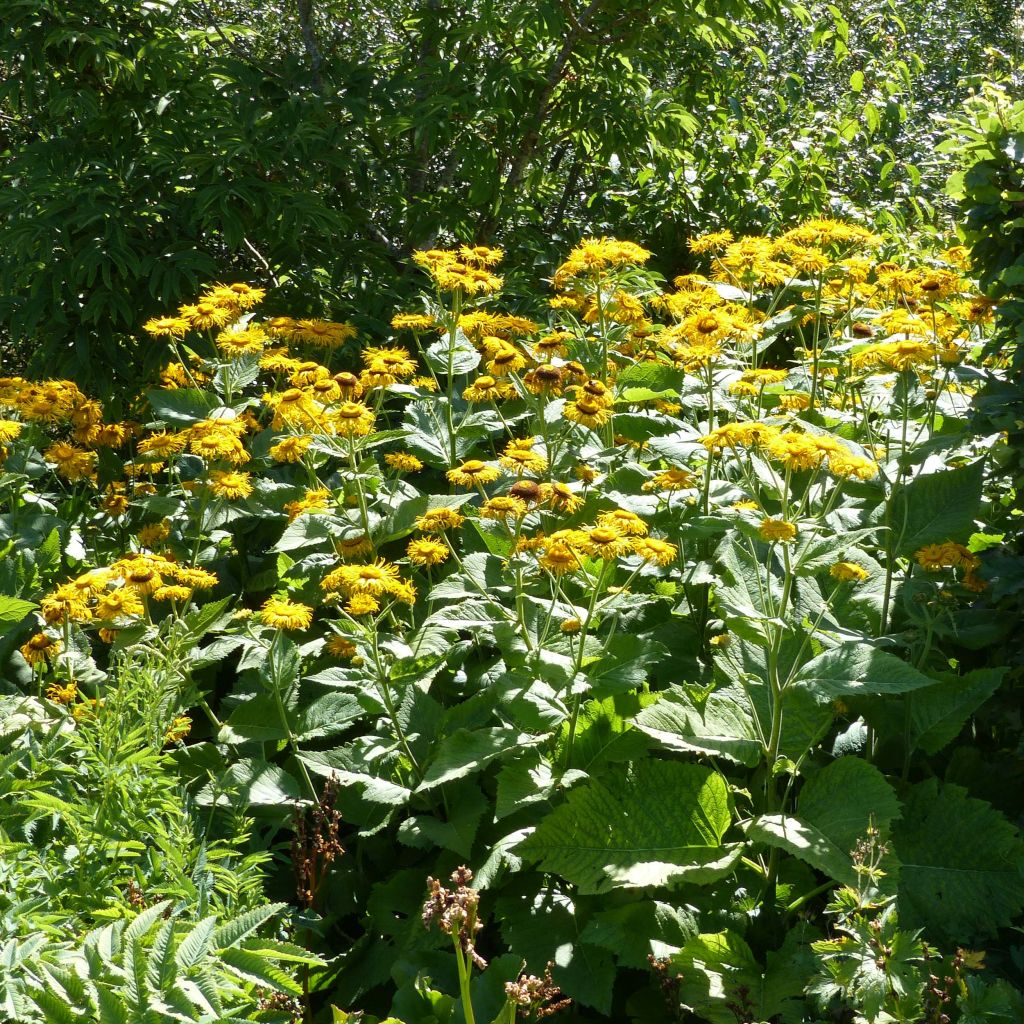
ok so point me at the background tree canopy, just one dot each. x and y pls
(311, 145)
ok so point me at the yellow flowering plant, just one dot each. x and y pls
(611, 603)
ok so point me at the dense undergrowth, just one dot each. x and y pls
(667, 628)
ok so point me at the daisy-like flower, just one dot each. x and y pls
(40, 648)
(167, 326)
(341, 647)
(520, 457)
(777, 530)
(412, 322)
(427, 552)
(353, 419)
(848, 572)
(373, 578)
(437, 520)
(205, 315)
(559, 558)
(472, 473)
(356, 546)
(178, 730)
(280, 613)
(193, 577)
(395, 361)
(362, 604)
(242, 341)
(62, 693)
(653, 549)
(503, 507)
(240, 295)
(119, 604)
(290, 449)
(488, 389)
(173, 592)
(606, 542)
(629, 524)
(403, 462)
(670, 480)
(230, 484)
(72, 463)
(560, 497)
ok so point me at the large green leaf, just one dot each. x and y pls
(719, 972)
(962, 864)
(834, 811)
(937, 714)
(722, 726)
(854, 669)
(467, 751)
(659, 823)
(936, 507)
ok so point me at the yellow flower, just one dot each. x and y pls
(119, 604)
(362, 604)
(373, 578)
(427, 552)
(290, 449)
(242, 341)
(472, 473)
(204, 315)
(395, 361)
(340, 647)
(321, 333)
(163, 444)
(174, 593)
(848, 572)
(62, 693)
(353, 419)
(72, 463)
(559, 559)
(280, 613)
(314, 500)
(167, 326)
(652, 549)
(191, 576)
(520, 457)
(629, 524)
(153, 533)
(178, 730)
(948, 555)
(438, 520)
(240, 295)
(39, 648)
(713, 241)
(488, 389)
(230, 484)
(570, 626)
(588, 411)
(670, 480)
(403, 462)
(595, 255)
(606, 542)
(412, 322)
(560, 497)
(9, 430)
(356, 546)
(115, 505)
(503, 507)
(794, 402)
(777, 530)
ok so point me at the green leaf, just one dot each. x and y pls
(183, 405)
(464, 355)
(854, 669)
(961, 864)
(234, 931)
(13, 610)
(720, 972)
(723, 726)
(936, 507)
(467, 751)
(659, 378)
(658, 823)
(260, 971)
(938, 714)
(194, 946)
(834, 811)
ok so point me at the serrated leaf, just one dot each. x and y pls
(723, 726)
(938, 714)
(936, 507)
(467, 751)
(833, 813)
(13, 609)
(196, 944)
(234, 931)
(961, 864)
(260, 971)
(853, 669)
(633, 829)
